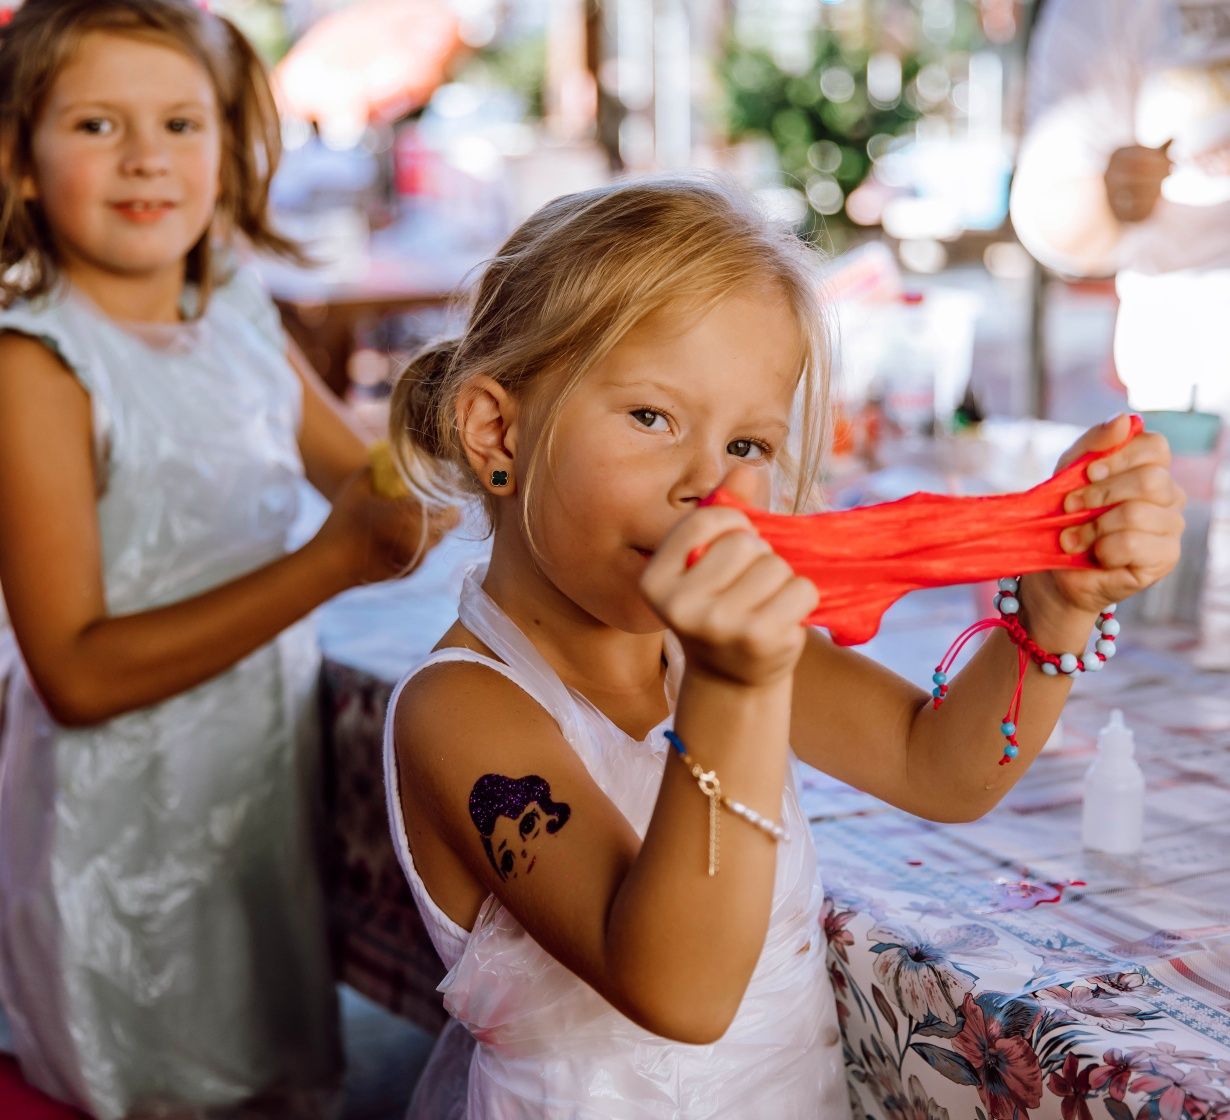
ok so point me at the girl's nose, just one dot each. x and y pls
(701, 472)
(145, 154)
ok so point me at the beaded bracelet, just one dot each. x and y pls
(1008, 604)
(712, 789)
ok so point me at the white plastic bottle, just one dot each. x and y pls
(1112, 819)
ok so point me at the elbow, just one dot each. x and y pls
(688, 1025)
(73, 704)
(963, 809)
(694, 1022)
(957, 814)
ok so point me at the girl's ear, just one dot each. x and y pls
(487, 422)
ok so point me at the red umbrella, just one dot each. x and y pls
(375, 59)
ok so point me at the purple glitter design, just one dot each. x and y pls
(497, 795)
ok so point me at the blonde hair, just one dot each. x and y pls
(568, 286)
(35, 46)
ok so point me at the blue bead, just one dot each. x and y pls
(1008, 727)
(1105, 648)
(1068, 663)
(1091, 662)
(1009, 585)
(674, 741)
(936, 692)
(1049, 669)
(1009, 604)
(1012, 750)
(1109, 627)
(939, 678)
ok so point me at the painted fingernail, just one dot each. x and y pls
(1097, 472)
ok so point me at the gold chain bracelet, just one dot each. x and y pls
(711, 787)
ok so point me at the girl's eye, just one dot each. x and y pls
(747, 449)
(179, 124)
(649, 417)
(96, 126)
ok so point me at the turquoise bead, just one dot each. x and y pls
(1009, 605)
(939, 678)
(1012, 750)
(1008, 585)
(1008, 727)
(936, 692)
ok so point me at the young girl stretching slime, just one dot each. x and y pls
(162, 941)
(629, 934)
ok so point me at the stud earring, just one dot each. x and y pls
(499, 478)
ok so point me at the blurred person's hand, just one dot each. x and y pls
(1134, 178)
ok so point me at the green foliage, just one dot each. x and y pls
(518, 64)
(813, 134)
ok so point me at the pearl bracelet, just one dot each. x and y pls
(711, 787)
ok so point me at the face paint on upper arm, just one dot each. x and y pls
(514, 816)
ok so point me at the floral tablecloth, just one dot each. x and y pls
(989, 971)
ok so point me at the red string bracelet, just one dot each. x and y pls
(1008, 603)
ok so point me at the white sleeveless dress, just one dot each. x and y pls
(528, 1039)
(162, 927)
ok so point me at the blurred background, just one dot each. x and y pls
(420, 132)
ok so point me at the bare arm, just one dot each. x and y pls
(333, 448)
(90, 666)
(643, 923)
(943, 764)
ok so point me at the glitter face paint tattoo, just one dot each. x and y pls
(514, 816)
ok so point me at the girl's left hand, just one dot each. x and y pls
(1137, 542)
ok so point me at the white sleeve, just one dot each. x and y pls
(1085, 67)
(1085, 70)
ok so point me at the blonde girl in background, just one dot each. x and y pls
(613, 950)
(162, 940)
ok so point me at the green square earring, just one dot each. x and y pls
(499, 478)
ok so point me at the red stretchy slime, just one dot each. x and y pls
(863, 560)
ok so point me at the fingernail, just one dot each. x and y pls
(1069, 540)
(1097, 472)
(1074, 502)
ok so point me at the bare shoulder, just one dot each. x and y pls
(455, 715)
(497, 801)
(34, 358)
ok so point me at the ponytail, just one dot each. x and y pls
(423, 430)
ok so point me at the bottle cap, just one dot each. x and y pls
(1116, 737)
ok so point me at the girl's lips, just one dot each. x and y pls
(142, 212)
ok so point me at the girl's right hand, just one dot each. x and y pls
(372, 538)
(738, 611)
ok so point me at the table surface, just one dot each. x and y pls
(985, 966)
